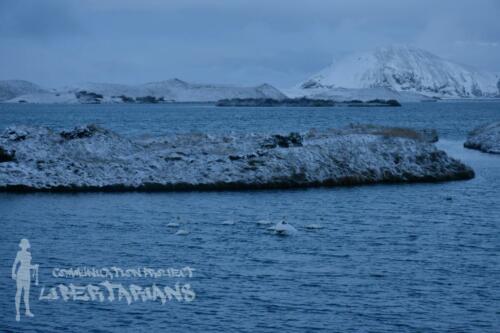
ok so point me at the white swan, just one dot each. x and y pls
(314, 226)
(182, 232)
(174, 224)
(284, 229)
(264, 222)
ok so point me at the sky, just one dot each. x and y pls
(282, 42)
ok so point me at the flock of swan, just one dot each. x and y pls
(282, 228)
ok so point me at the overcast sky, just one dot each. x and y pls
(57, 42)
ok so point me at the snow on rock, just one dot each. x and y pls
(48, 97)
(362, 94)
(400, 69)
(485, 138)
(182, 91)
(93, 158)
(10, 89)
(173, 90)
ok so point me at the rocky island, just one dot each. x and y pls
(303, 102)
(91, 158)
(485, 138)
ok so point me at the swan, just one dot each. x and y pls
(182, 232)
(314, 226)
(285, 229)
(264, 222)
(174, 224)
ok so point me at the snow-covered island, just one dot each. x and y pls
(92, 158)
(485, 138)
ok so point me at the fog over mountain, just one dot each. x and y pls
(60, 42)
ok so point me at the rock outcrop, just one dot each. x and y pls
(93, 158)
(485, 138)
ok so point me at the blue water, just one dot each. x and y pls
(389, 258)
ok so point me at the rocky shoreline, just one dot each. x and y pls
(90, 158)
(485, 138)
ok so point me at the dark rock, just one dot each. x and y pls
(173, 158)
(302, 102)
(149, 100)
(269, 102)
(7, 155)
(15, 134)
(126, 99)
(86, 97)
(393, 102)
(311, 84)
(383, 102)
(293, 139)
(81, 132)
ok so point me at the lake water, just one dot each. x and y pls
(388, 258)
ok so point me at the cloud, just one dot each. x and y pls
(34, 20)
(227, 41)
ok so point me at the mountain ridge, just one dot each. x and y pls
(403, 68)
(171, 90)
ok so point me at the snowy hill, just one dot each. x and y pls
(163, 91)
(402, 69)
(13, 88)
(181, 91)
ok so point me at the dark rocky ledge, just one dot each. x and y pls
(303, 102)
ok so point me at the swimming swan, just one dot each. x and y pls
(174, 224)
(284, 229)
(314, 226)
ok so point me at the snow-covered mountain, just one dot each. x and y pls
(401, 69)
(169, 90)
(13, 88)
